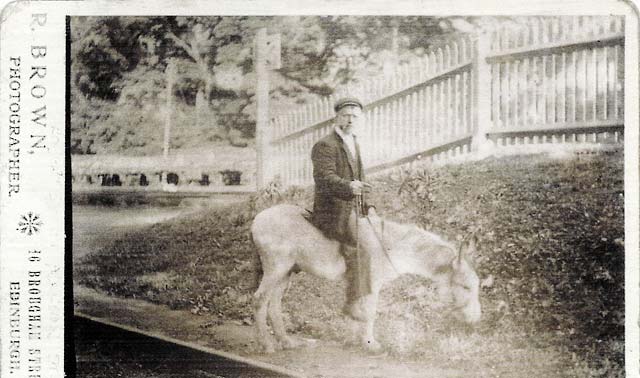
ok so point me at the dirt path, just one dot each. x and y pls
(322, 359)
(497, 358)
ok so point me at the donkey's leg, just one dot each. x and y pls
(275, 314)
(370, 307)
(261, 301)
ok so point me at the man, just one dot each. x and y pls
(339, 179)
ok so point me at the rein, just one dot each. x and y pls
(380, 237)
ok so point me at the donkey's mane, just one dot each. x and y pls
(400, 231)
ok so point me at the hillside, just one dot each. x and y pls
(551, 234)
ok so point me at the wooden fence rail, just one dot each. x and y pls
(554, 79)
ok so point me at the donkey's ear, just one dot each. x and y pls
(467, 249)
(461, 254)
(470, 245)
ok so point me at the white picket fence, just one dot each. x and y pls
(551, 80)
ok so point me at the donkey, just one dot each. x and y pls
(287, 242)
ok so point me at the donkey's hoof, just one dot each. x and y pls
(373, 346)
(291, 343)
(268, 347)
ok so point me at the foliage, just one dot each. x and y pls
(122, 61)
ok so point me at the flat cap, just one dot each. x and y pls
(347, 101)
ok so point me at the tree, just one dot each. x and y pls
(122, 59)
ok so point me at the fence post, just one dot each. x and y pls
(481, 96)
(170, 73)
(267, 57)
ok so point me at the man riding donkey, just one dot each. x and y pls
(339, 190)
(346, 238)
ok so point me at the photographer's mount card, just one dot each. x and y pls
(159, 161)
(33, 190)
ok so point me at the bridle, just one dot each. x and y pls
(380, 237)
(454, 307)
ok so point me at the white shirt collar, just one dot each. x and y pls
(342, 134)
(350, 142)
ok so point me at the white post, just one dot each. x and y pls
(170, 73)
(262, 108)
(267, 56)
(481, 99)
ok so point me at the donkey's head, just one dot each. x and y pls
(460, 285)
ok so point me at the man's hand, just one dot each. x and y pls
(359, 187)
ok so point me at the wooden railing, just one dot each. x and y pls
(552, 80)
(563, 74)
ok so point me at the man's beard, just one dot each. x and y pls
(346, 129)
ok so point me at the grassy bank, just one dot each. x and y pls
(551, 234)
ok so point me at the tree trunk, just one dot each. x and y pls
(210, 119)
(201, 110)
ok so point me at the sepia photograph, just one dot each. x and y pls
(347, 196)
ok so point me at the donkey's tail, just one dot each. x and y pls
(255, 266)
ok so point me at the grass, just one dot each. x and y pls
(551, 234)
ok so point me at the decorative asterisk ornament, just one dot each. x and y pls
(29, 224)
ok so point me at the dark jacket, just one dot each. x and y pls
(333, 170)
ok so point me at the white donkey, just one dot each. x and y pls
(287, 242)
